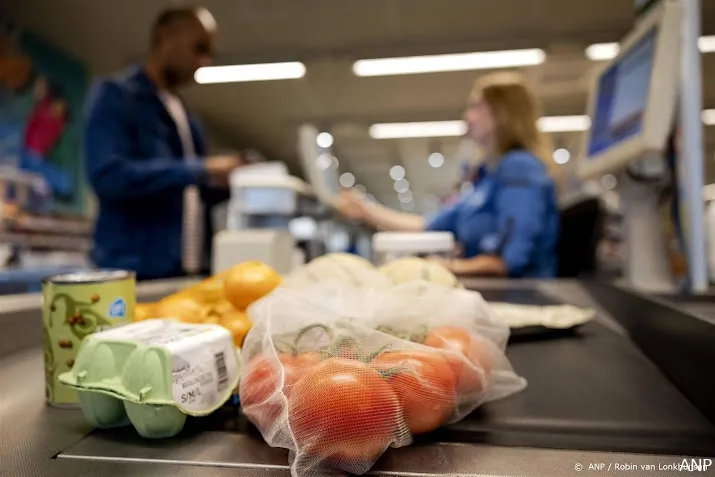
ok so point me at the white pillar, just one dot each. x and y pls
(691, 157)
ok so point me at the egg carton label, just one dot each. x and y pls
(203, 358)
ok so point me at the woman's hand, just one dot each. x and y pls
(484, 265)
(350, 205)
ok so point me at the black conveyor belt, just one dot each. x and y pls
(591, 390)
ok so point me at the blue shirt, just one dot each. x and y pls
(135, 163)
(512, 212)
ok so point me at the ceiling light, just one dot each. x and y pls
(609, 182)
(408, 206)
(608, 51)
(246, 73)
(706, 44)
(602, 51)
(361, 189)
(334, 163)
(562, 156)
(324, 161)
(454, 62)
(325, 140)
(402, 185)
(397, 173)
(421, 129)
(548, 124)
(435, 160)
(347, 180)
(405, 197)
(552, 124)
(709, 117)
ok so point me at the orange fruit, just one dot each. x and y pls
(144, 311)
(248, 282)
(238, 324)
(181, 307)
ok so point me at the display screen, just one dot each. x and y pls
(622, 96)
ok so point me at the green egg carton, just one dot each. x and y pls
(152, 374)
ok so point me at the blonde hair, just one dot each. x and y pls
(516, 113)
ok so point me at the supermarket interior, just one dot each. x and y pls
(387, 237)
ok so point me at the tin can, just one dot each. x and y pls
(75, 305)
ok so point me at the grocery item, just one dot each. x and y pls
(248, 282)
(153, 374)
(237, 322)
(409, 269)
(75, 305)
(337, 373)
(213, 301)
(145, 311)
(342, 267)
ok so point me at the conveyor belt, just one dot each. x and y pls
(590, 391)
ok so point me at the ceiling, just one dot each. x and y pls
(328, 35)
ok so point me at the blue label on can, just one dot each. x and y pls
(118, 308)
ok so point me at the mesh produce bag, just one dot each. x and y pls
(336, 374)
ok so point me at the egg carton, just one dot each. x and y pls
(154, 373)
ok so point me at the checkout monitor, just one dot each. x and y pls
(318, 165)
(633, 98)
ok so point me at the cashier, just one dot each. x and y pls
(144, 156)
(508, 224)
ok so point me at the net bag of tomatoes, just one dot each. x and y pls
(337, 374)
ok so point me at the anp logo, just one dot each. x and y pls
(118, 308)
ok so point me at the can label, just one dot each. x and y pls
(73, 309)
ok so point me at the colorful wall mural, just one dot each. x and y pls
(41, 94)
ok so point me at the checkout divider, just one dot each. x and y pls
(632, 382)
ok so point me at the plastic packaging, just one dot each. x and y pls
(152, 374)
(409, 269)
(337, 267)
(337, 373)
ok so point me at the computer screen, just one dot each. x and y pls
(622, 98)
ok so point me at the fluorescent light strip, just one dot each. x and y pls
(547, 124)
(247, 73)
(552, 124)
(413, 130)
(453, 62)
(459, 128)
(709, 117)
(608, 51)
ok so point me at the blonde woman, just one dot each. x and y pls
(508, 225)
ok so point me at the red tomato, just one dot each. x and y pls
(424, 384)
(469, 357)
(262, 379)
(345, 413)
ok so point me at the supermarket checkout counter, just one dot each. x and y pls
(632, 387)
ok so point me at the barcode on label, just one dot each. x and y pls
(221, 371)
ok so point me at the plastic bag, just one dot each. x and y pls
(336, 374)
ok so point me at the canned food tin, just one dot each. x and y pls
(75, 305)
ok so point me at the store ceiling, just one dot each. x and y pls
(328, 35)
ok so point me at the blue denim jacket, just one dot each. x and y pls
(135, 163)
(511, 212)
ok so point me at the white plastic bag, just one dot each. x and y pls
(337, 374)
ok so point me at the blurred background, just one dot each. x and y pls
(51, 51)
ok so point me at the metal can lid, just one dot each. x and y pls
(89, 276)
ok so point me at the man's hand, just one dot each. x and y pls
(219, 168)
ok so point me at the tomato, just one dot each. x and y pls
(468, 357)
(345, 413)
(262, 379)
(424, 384)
